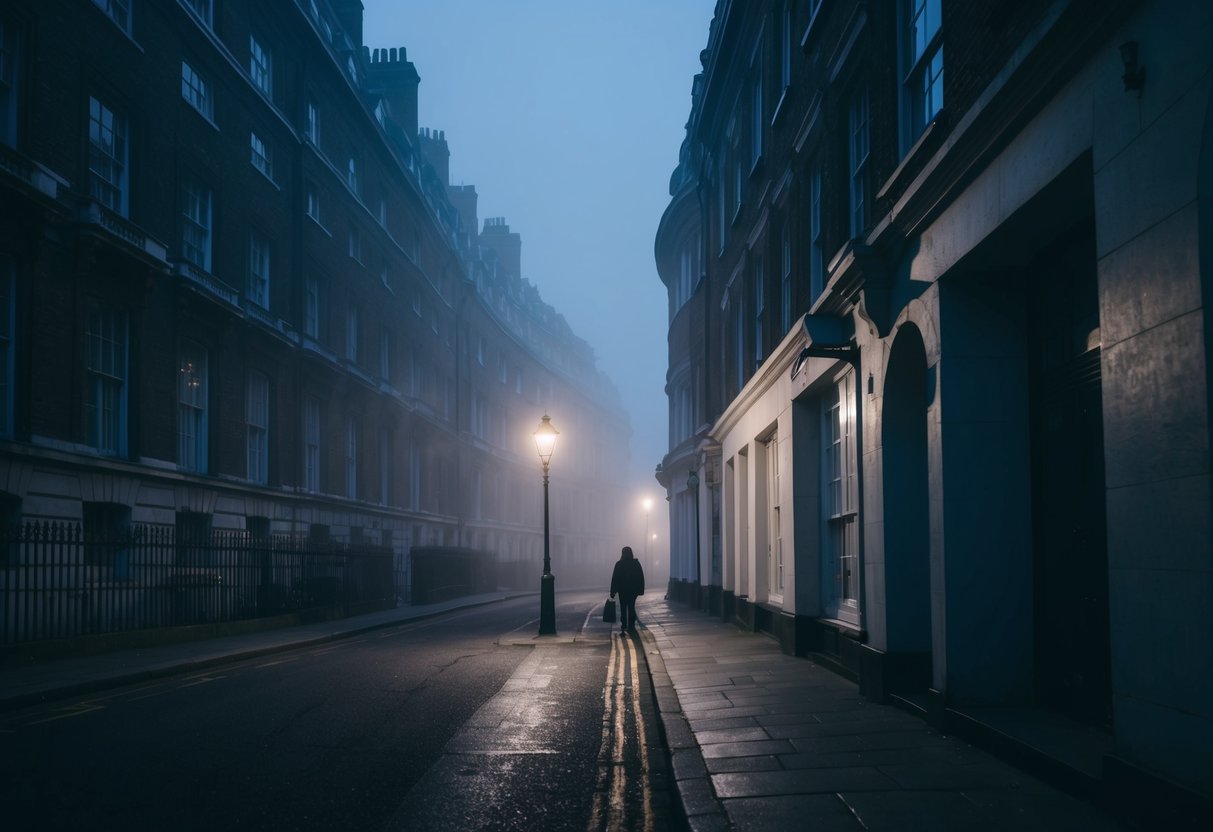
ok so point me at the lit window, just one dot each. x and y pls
(196, 226)
(858, 159)
(923, 71)
(107, 157)
(191, 408)
(257, 420)
(259, 270)
(197, 91)
(118, 11)
(261, 66)
(105, 341)
(841, 498)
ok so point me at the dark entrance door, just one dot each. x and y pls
(1070, 531)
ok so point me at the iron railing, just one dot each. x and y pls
(58, 582)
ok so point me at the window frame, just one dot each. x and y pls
(106, 383)
(257, 426)
(193, 412)
(114, 154)
(261, 66)
(260, 264)
(922, 91)
(202, 225)
(196, 91)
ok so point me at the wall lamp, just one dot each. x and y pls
(1135, 74)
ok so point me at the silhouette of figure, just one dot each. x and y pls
(628, 582)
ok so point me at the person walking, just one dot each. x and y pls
(628, 582)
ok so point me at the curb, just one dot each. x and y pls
(170, 668)
(700, 807)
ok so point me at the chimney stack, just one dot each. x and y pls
(391, 75)
(508, 246)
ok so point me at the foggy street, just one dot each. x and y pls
(351, 735)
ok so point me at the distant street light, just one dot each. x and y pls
(545, 443)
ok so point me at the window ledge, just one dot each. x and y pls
(201, 114)
(318, 224)
(926, 144)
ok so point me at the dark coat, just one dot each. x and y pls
(628, 578)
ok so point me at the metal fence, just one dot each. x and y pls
(56, 581)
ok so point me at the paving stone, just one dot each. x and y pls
(688, 764)
(802, 781)
(721, 724)
(900, 811)
(724, 765)
(820, 813)
(730, 735)
(697, 797)
(746, 749)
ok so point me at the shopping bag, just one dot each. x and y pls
(608, 611)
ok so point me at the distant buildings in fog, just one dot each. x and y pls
(239, 292)
(938, 359)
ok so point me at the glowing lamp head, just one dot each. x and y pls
(545, 439)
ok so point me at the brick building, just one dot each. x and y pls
(939, 372)
(239, 294)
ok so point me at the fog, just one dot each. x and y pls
(567, 116)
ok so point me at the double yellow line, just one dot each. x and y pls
(619, 698)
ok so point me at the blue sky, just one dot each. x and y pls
(567, 116)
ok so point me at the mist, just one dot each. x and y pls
(567, 118)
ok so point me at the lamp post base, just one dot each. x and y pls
(547, 604)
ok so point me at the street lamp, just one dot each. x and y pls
(545, 443)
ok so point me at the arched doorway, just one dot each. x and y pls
(907, 515)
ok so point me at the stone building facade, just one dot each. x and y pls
(239, 293)
(937, 275)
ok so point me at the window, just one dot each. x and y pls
(760, 303)
(858, 159)
(385, 353)
(311, 444)
(311, 307)
(722, 201)
(257, 421)
(259, 270)
(8, 318)
(10, 63)
(311, 123)
(480, 351)
(105, 343)
(261, 66)
(191, 408)
(193, 538)
(118, 11)
(385, 277)
(196, 226)
(841, 499)
(262, 155)
(107, 157)
(312, 203)
(351, 332)
(922, 49)
(351, 458)
(816, 249)
(385, 467)
(785, 279)
(351, 175)
(204, 9)
(414, 476)
(774, 525)
(738, 182)
(739, 373)
(355, 244)
(197, 91)
(383, 212)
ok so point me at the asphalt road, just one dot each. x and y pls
(445, 723)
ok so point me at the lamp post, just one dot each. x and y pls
(693, 488)
(545, 443)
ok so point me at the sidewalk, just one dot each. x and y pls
(63, 678)
(761, 740)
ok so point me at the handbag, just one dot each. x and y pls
(608, 611)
